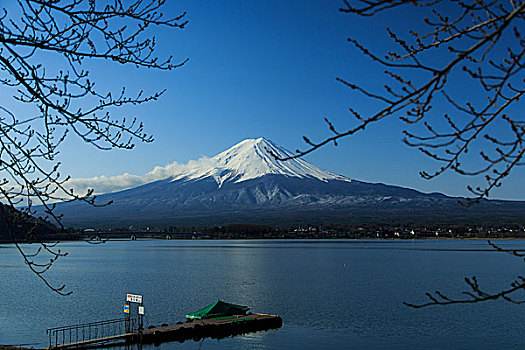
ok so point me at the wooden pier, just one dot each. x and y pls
(213, 328)
(196, 329)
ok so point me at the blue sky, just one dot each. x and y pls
(265, 68)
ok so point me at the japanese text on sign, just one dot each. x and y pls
(134, 298)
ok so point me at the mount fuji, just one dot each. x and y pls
(245, 184)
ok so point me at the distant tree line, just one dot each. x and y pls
(334, 231)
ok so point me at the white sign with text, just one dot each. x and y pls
(134, 298)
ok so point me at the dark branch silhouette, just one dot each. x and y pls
(476, 293)
(65, 100)
(480, 42)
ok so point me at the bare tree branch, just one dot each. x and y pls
(475, 293)
(482, 45)
(66, 100)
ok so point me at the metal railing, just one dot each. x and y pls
(91, 331)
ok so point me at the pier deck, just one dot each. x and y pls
(197, 329)
(214, 327)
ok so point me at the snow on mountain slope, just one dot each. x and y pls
(250, 159)
(245, 184)
(246, 160)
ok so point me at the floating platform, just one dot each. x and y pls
(212, 328)
(219, 327)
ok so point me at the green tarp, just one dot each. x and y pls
(218, 309)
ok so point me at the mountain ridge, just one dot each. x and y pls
(245, 184)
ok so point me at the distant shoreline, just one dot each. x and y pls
(386, 239)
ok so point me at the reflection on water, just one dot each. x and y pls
(331, 294)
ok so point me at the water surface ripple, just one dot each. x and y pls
(331, 294)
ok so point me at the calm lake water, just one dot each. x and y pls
(323, 303)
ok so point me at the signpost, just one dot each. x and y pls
(134, 298)
(137, 299)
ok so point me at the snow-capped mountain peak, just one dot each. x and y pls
(187, 194)
(250, 159)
